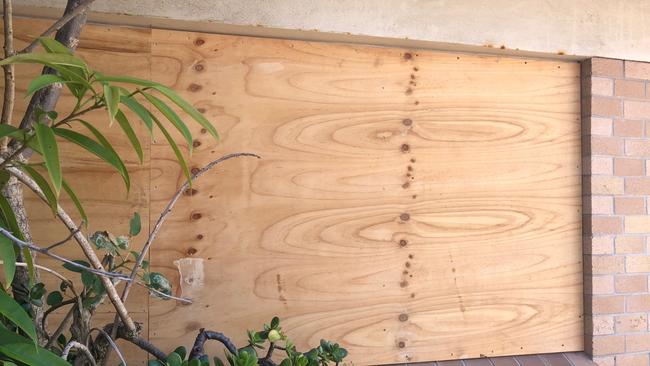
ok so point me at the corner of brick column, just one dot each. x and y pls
(616, 185)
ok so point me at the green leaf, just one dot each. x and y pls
(88, 279)
(116, 157)
(126, 79)
(42, 184)
(50, 153)
(128, 131)
(8, 257)
(72, 268)
(275, 322)
(43, 81)
(138, 109)
(102, 240)
(17, 315)
(194, 362)
(51, 45)
(158, 281)
(217, 361)
(54, 298)
(181, 351)
(172, 117)
(111, 99)
(76, 201)
(155, 363)
(19, 348)
(8, 130)
(174, 359)
(177, 152)
(98, 150)
(135, 225)
(9, 218)
(188, 108)
(48, 59)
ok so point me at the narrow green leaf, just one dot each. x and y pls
(10, 218)
(135, 225)
(177, 152)
(20, 349)
(189, 109)
(76, 201)
(17, 315)
(138, 109)
(42, 184)
(8, 130)
(95, 148)
(128, 131)
(172, 117)
(50, 153)
(111, 99)
(115, 156)
(47, 59)
(8, 257)
(126, 79)
(54, 298)
(46, 80)
(51, 45)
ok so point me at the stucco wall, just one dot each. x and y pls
(607, 28)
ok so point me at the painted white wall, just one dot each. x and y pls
(607, 28)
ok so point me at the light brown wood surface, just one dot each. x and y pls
(487, 263)
(488, 172)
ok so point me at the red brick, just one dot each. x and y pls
(637, 264)
(637, 342)
(601, 205)
(638, 303)
(630, 245)
(605, 360)
(601, 145)
(631, 323)
(602, 86)
(606, 225)
(627, 128)
(606, 264)
(629, 167)
(632, 360)
(607, 67)
(640, 148)
(579, 358)
(633, 109)
(631, 283)
(608, 344)
(599, 165)
(607, 107)
(606, 185)
(629, 205)
(637, 185)
(629, 88)
(599, 324)
(607, 304)
(600, 126)
(636, 70)
(599, 285)
(598, 245)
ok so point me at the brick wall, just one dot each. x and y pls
(616, 161)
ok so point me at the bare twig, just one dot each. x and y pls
(86, 247)
(59, 24)
(55, 307)
(163, 217)
(51, 271)
(63, 241)
(62, 326)
(203, 336)
(45, 251)
(81, 347)
(184, 300)
(112, 343)
(138, 341)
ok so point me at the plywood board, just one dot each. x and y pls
(410, 205)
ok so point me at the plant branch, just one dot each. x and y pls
(10, 81)
(81, 347)
(86, 248)
(63, 241)
(55, 307)
(64, 324)
(112, 343)
(45, 251)
(138, 341)
(83, 6)
(203, 336)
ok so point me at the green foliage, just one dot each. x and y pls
(11, 310)
(23, 351)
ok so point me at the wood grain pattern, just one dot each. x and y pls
(411, 205)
